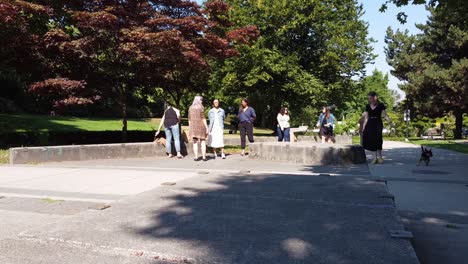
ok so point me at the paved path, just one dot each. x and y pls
(222, 211)
(432, 200)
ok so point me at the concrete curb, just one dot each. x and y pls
(308, 153)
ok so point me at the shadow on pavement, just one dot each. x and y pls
(278, 219)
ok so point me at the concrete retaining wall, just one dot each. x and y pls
(84, 152)
(111, 151)
(306, 153)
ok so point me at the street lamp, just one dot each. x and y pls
(406, 118)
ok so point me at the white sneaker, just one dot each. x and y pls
(223, 156)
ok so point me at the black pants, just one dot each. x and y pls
(246, 128)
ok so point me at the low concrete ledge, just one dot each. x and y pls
(85, 152)
(112, 151)
(309, 153)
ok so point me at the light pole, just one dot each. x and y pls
(407, 119)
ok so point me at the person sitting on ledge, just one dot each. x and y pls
(326, 123)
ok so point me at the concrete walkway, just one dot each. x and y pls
(432, 200)
(229, 211)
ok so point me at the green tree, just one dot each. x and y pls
(402, 16)
(307, 55)
(378, 82)
(434, 64)
(95, 50)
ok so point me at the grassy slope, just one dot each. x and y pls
(443, 144)
(4, 156)
(59, 123)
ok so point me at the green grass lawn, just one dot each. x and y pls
(443, 144)
(20, 123)
(4, 156)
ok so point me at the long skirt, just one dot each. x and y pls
(216, 138)
(372, 138)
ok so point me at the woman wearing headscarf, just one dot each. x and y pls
(198, 128)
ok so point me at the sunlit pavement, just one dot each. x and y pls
(161, 210)
(432, 200)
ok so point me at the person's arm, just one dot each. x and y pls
(332, 120)
(363, 121)
(204, 121)
(253, 116)
(279, 122)
(318, 121)
(385, 115)
(178, 114)
(160, 125)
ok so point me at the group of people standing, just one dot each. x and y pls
(201, 131)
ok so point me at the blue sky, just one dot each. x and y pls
(378, 23)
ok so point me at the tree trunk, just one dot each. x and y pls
(124, 122)
(458, 124)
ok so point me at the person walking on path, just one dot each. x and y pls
(198, 128)
(216, 115)
(372, 126)
(283, 125)
(171, 121)
(326, 124)
(246, 118)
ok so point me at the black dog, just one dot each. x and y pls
(426, 155)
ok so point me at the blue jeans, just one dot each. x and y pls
(172, 131)
(283, 134)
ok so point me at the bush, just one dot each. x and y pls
(7, 106)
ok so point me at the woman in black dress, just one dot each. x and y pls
(372, 126)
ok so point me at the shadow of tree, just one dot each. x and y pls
(273, 218)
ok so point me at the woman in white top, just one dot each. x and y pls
(283, 125)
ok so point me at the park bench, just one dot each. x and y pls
(434, 133)
(296, 130)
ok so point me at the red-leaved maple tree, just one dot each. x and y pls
(110, 48)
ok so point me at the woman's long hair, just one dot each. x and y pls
(327, 112)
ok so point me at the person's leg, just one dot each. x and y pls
(323, 139)
(242, 135)
(214, 152)
(203, 148)
(168, 141)
(195, 147)
(280, 134)
(250, 133)
(176, 133)
(222, 153)
(287, 136)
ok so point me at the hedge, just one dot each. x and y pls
(54, 138)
